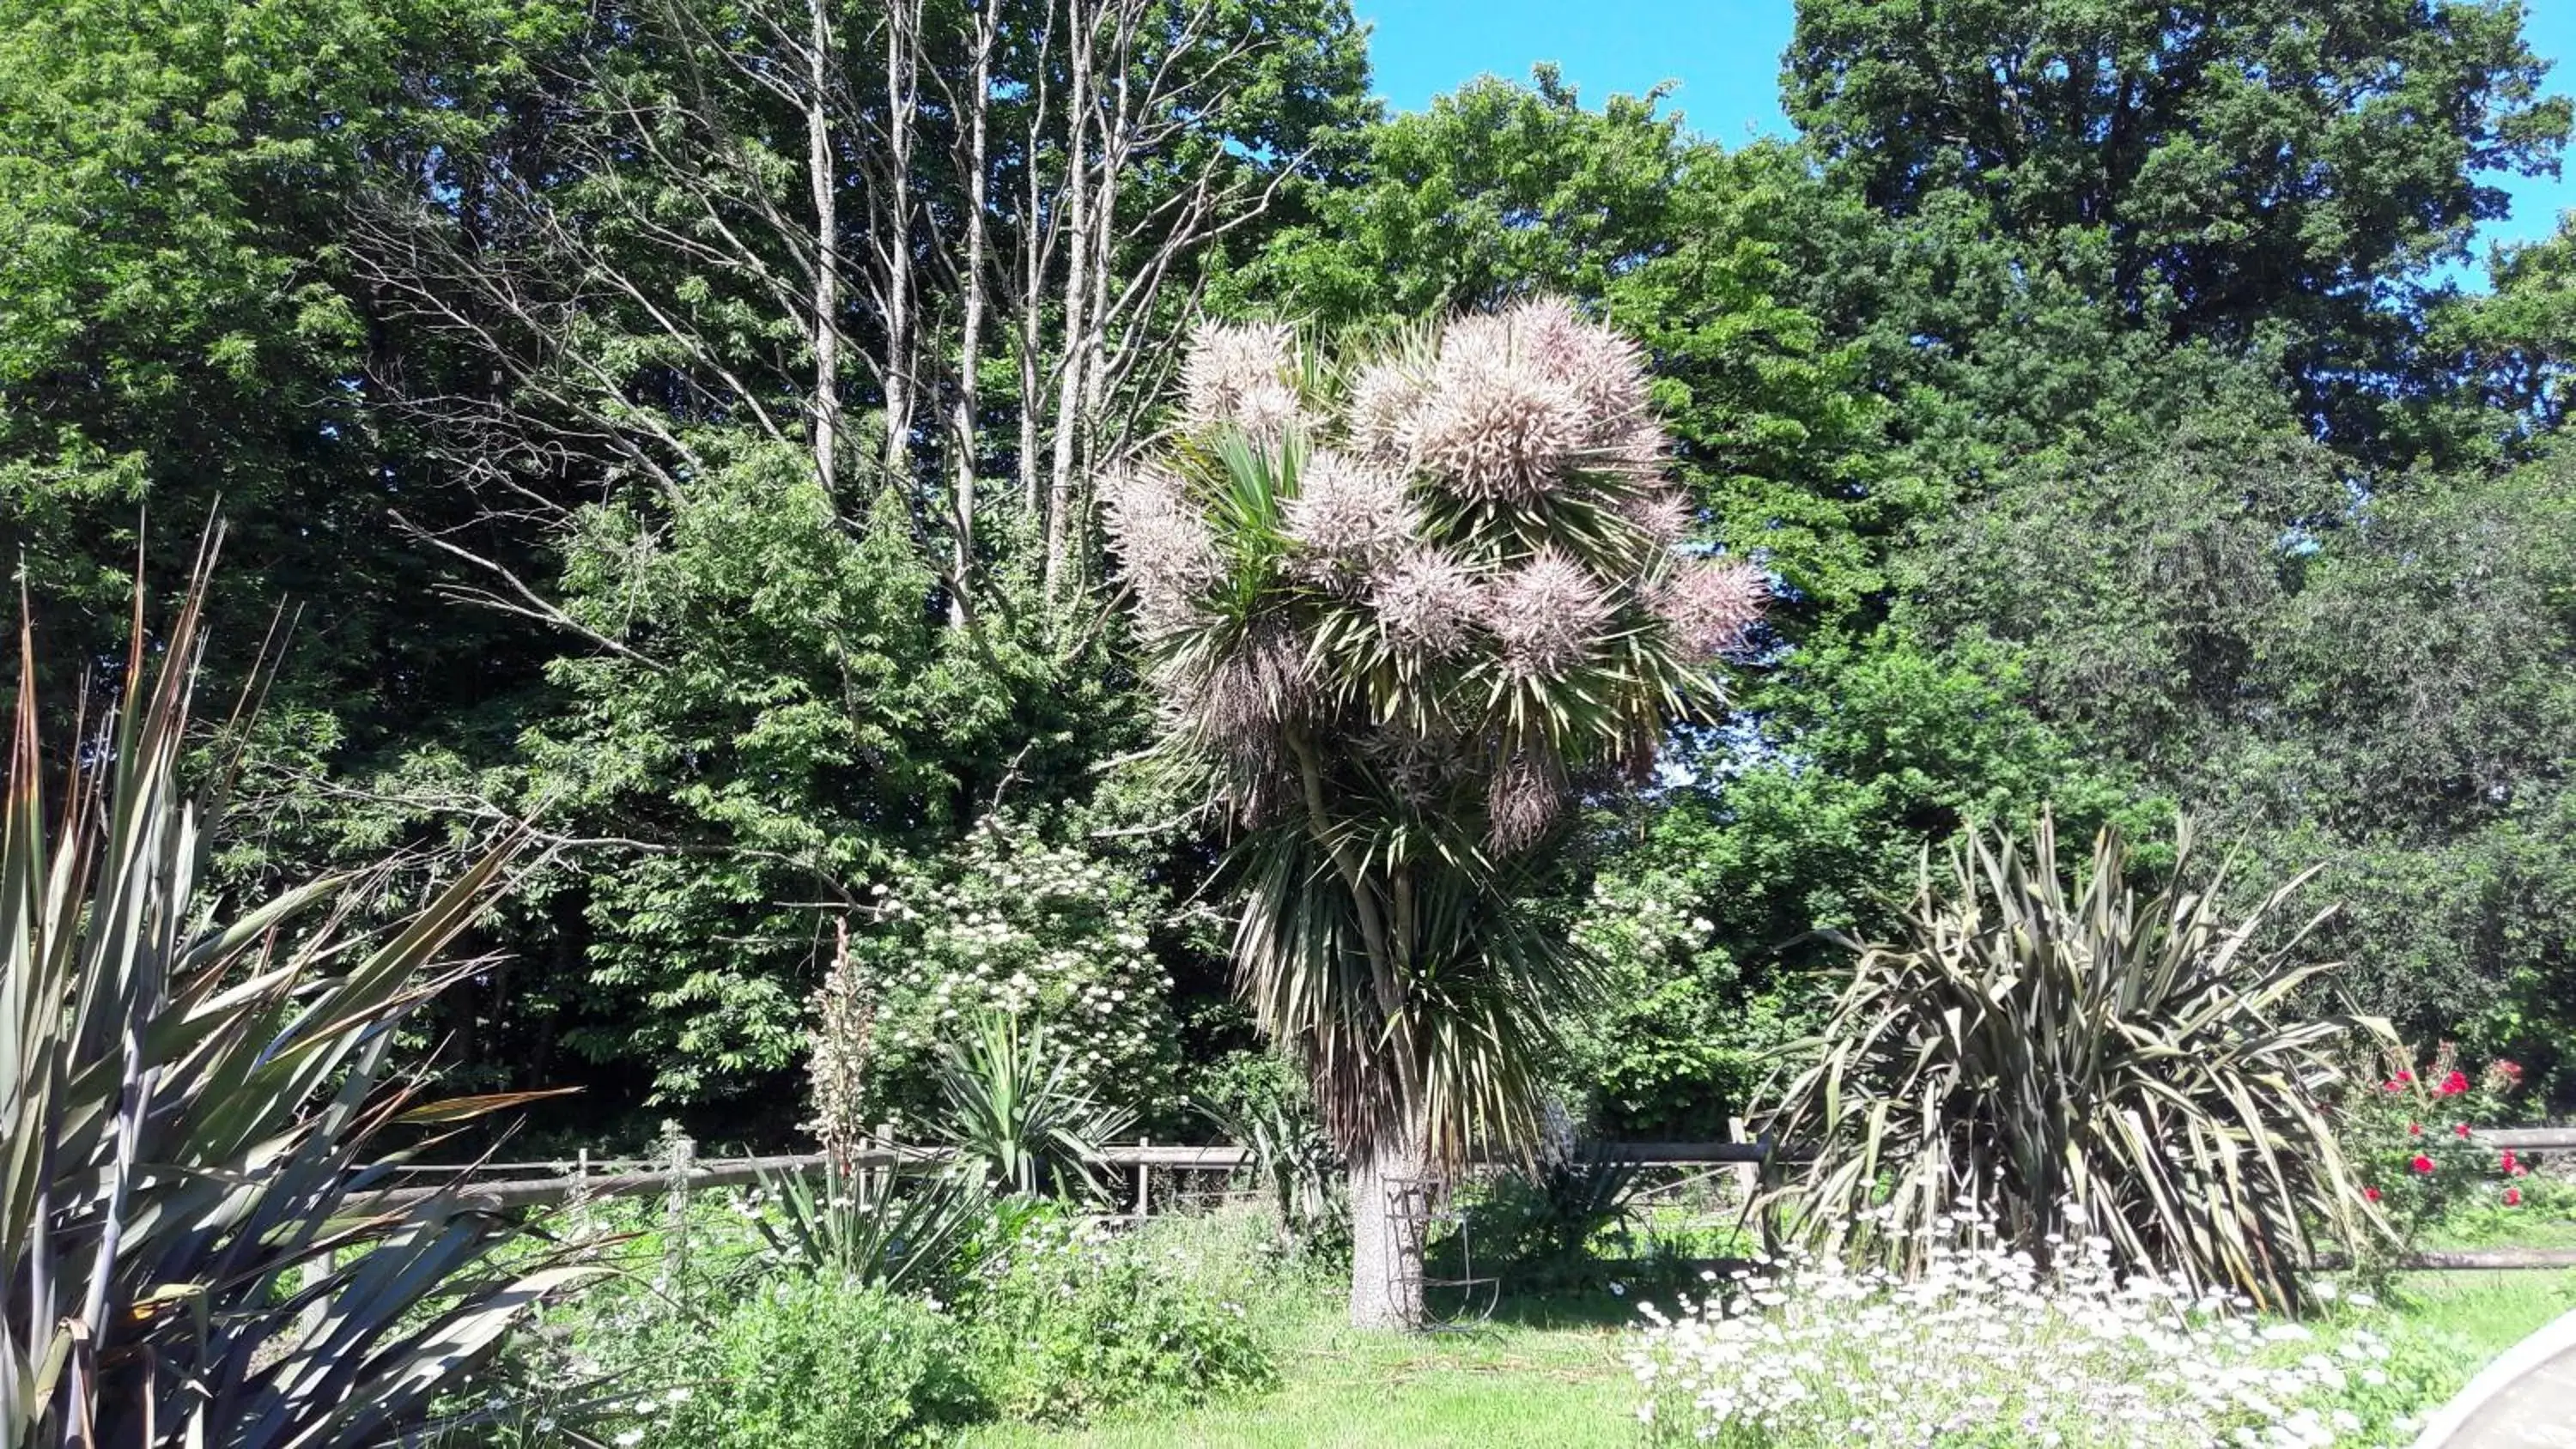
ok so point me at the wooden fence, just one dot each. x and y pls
(534, 1184)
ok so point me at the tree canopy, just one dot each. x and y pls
(685, 423)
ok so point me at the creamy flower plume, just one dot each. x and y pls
(1428, 601)
(1241, 373)
(1662, 514)
(1548, 613)
(1604, 371)
(1710, 605)
(1383, 400)
(1161, 538)
(1493, 427)
(1350, 517)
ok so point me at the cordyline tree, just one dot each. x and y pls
(1404, 609)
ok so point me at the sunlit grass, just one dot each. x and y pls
(1556, 1383)
(1547, 1375)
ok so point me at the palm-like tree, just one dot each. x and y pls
(1404, 608)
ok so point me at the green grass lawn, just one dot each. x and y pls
(1548, 1376)
(2487, 1312)
(1552, 1381)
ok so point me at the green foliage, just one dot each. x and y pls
(789, 719)
(1704, 903)
(1545, 1228)
(895, 1234)
(180, 326)
(2239, 171)
(2517, 340)
(1681, 1038)
(1260, 1102)
(1071, 1322)
(200, 1124)
(1014, 1111)
(1059, 936)
(2082, 1060)
(819, 1361)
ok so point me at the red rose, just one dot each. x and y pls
(2509, 1167)
(2421, 1163)
(2414, 1129)
(2454, 1084)
(2371, 1193)
(2463, 1130)
(2513, 1197)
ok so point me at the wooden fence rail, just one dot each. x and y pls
(529, 1184)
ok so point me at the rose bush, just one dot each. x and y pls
(2409, 1130)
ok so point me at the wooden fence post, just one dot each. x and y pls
(1144, 1198)
(1747, 1174)
(675, 1218)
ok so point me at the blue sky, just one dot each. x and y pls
(1724, 56)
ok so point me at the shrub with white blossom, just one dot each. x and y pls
(1016, 924)
(1985, 1346)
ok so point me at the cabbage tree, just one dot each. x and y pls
(1405, 608)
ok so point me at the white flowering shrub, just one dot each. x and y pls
(1985, 1347)
(1014, 923)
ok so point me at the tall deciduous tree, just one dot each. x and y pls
(2273, 165)
(782, 356)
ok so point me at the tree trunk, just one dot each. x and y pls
(1386, 1239)
(822, 174)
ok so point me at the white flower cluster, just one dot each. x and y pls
(1040, 930)
(1985, 1346)
(1644, 918)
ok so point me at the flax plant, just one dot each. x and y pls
(2082, 1059)
(197, 1099)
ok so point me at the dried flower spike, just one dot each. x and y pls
(1494, 427)
(1241, 373)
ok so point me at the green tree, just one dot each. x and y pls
(2516, 342)
(179, 323)
(2273, 166)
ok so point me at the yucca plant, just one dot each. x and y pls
(1011, 1110)
(898, 1232)
(194, 1244)
(1405, 607)
(2081, 1059)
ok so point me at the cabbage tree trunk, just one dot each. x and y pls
(1386, 1239)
